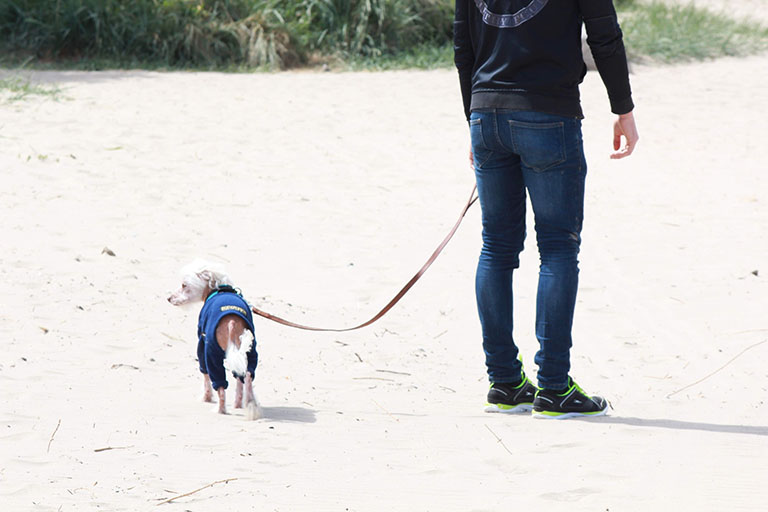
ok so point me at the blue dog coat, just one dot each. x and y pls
(224, 301)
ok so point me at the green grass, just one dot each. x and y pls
(160, 32)
(673, 33)
(218, 34)
(422, 57)
(16, 89)
(246, 35)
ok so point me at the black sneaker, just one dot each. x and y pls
(568, 404)
(510, 398)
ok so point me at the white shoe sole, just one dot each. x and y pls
(544, 416)
(506, 409)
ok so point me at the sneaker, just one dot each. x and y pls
(571, 403)
(510, 398)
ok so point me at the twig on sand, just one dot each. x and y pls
(106, 448)
(225, 481)
(719, 369)
(54, 433)
(122, 365)
(499, 439)
(392, 371)
(386, 411)
(745, 332)
(174, 338)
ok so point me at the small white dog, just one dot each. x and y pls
(225, 334)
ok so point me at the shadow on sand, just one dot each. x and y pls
(680, 425)
(292, 414)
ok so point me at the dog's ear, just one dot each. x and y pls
(206, 276)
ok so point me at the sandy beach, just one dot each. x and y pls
(322, 194)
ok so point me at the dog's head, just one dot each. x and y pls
(198, 279)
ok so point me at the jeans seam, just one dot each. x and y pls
(479, 165)
(512, 139)
(496, 129)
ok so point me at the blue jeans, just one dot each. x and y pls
(542, 154)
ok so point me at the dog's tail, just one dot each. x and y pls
(236, 359)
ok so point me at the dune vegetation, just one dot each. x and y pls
(280, 34)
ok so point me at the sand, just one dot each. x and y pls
(322, 193)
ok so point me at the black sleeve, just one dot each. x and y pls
(605, 40)
(463, 55)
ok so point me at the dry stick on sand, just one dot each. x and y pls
(54, 433)
(174, 338)
(498, 439)
(394, 372)
(386, 411)
(121, 365)
(225, 481)
(107, 448)
(719, 369)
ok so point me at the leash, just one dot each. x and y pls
(400, 294)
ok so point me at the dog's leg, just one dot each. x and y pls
(228, 335)
(207, 389)
(239, 395)
(252, 409)
(249, 389)
(222, 401)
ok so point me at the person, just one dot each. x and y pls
(520, 64)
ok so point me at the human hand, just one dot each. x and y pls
(624, 127)
(471, 159)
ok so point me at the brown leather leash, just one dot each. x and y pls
(400, 294)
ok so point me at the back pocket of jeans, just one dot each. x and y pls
(541, 146)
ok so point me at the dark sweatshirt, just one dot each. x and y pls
(526, 54)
